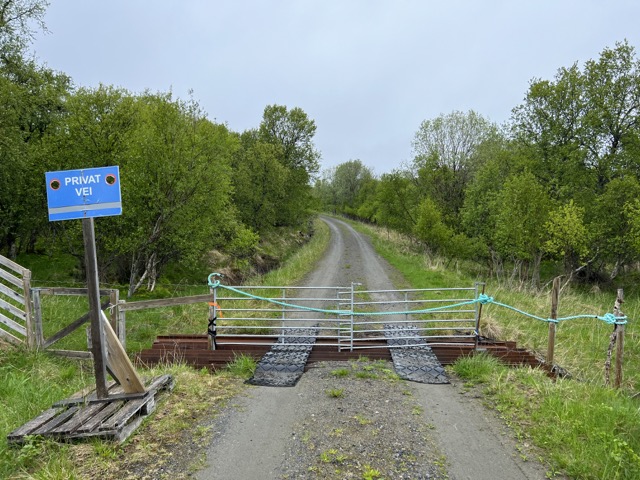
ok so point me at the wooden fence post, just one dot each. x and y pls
(122, 324)
(114, 296)
(37, 318)
(552, 325)
(28, 308)
(619, 339)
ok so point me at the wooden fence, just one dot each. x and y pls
(15, 303)
(124, 307)
(21, 319)
(109, 299)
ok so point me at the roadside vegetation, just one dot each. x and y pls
(578, 426)
(582, 429)
(24, 373)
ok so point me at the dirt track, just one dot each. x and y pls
(275, 433)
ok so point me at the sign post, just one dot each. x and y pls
(93, 287)
(85, 194)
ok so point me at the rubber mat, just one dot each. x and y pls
(283, 365)
(411, 360)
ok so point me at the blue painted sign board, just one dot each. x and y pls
(86, 193)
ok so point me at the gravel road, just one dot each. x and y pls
(357, 420)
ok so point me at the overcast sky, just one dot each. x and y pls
(368, 72)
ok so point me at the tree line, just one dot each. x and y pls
(189, 184)
(559, 181)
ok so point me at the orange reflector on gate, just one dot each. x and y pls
(218, 309)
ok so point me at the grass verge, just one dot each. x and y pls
(583, 430)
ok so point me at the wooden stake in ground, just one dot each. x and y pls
(620, 341)
(617, 338)
(552, 325)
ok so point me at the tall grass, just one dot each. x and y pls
(581, 345)
(584, 430)
(30, 382)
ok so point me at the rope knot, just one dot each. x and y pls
(484, 299)
(214, 283)
(611, 319)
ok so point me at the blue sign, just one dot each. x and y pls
(91, 192)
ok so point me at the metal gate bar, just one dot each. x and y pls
(348, 318)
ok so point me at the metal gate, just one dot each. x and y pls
(347, 318)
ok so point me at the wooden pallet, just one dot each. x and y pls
(85, 416)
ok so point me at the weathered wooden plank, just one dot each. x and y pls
(149, 407)
(126, 432)
(11, 278)
(166, 382)
(72, 354)
(12, 309)
(93, 399)
(81, 416)
(100, 418)
(620, 339)
(31, 425)
(121, 396)
(55, 421)
(114, 298)
(71, 291)
(122, 324)
(15, 326)
(10, 264)
(118, 361)
(11, 294)
(69, 328)
(163, 302)
(95, 310)
(10, 338)
(110, 435)
(84, 396)
(123, 415)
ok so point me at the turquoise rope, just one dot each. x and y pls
(216, 284)
(415, 312)
(482, 299)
